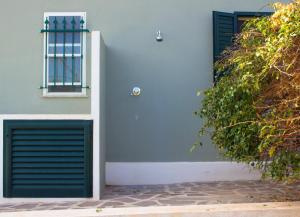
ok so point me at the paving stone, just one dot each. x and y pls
(66, 203)
(196, 194)
(177, 202)
(25, 206)
(43, 208)
(176, 194)
(6, 205)
(126, 200)
(46, 204)
(145, 196)
(57, 208)
(89, 204)
(146, 203)
(112, 204)
(7, 210)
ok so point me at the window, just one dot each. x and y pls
(225, 26)
(242, 17)
(64, 64)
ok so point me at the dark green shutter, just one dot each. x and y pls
(224, 28)
(47, 158)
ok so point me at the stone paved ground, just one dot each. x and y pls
(176, 194)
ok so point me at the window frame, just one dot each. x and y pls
(238, 14)
(83, 92)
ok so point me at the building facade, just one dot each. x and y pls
(74, 101)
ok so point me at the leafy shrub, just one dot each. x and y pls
(253, 113)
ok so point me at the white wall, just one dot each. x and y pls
(175, 172)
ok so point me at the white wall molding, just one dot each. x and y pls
(95, 110)
(137, 173)
(46, 116)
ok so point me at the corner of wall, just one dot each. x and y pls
(102, 113)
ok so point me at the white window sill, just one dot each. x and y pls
(67, 95)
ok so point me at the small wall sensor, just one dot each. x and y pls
(159, 37)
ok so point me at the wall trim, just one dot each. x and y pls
(46, 116)
(95, 110)
(148, 173)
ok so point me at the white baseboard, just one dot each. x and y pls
(148, 173)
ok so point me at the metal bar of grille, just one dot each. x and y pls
(46, 51)
(81, 49)
(73, 68)
(64, 51)
(55, 39)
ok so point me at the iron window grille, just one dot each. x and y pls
(64, 65)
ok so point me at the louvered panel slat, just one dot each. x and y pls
(47, 132)
(47, 137)
(47, 165)
(52, 143)
(48, 171)
(225, 39)
(48, 158)
(47, 154)
(226, 25)
(225, 21)
(48, 148)
(225, 28)
(47, 176)
(47, 182)
(226, 33)
(55, 187)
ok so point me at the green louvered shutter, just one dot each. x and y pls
(224, 28)
(47, 158)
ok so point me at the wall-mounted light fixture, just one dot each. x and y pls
(159, 36)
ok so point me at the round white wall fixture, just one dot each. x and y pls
(136, 91)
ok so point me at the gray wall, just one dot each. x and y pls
(157, 126)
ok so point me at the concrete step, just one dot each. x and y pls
(276, 209)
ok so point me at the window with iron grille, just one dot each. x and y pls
(64, 64)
